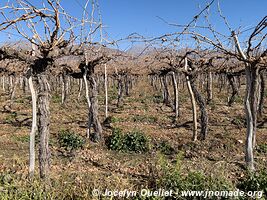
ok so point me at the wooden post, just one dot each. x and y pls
(106, 91)
(34, 128)
(87, 98)
(175, 89)
(193, 102)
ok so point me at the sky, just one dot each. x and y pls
(123, 17)
(127, 16)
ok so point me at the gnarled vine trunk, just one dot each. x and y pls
(203, 112)
(262, 93)
(64, 88)
(127, 84)
(165, 91)
(250, 104)
(209, 87)
(120, 91)
(251, 107)
(43, 123)
(80, 89)
(13, 89)
(233, 85)
(93, 114)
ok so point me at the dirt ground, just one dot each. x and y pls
(221, 152)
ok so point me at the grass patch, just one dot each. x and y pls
(165, 148)
(212, 104)
(134, 141)
(21, 138)
(144, 119)
(114, 119)
(262, 148)
(157, 99)
(170, 177)
(239, 99)
(56, 98)
(20, 100)
(239, 121)
(112, 93)
(10, 118)
(70, 141)
(254, 181)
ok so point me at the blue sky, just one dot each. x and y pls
(123, 17)
(127, 16)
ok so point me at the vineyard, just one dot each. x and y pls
(182, 111)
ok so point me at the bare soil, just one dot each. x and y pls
(222, 152)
